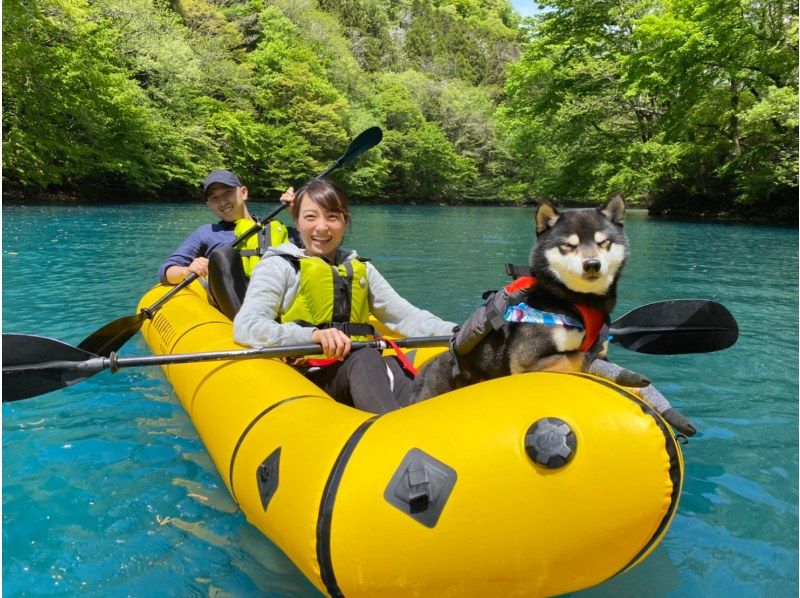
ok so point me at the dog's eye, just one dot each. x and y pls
(604, 244)
(566, 248)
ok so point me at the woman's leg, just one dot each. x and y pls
(362, 380)
(402, 381)
(227, 282)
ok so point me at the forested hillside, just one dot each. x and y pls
(151, 95)
(670, 100)
(691, 104)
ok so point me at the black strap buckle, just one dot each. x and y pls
(349, 328)
(356, 329)
(518, 270)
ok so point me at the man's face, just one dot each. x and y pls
(227, 203)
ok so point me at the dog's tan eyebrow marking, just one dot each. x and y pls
(573, 240)
(599, 237)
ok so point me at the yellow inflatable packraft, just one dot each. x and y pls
(530, 485)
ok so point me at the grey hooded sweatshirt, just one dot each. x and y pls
(273, 288)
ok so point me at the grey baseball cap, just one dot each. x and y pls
(226, 177)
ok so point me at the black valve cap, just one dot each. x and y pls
(550, 442)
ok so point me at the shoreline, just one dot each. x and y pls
(763, 214)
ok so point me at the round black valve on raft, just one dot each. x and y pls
(550, 442)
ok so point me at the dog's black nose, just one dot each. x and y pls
(591, 266)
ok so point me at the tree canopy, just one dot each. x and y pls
(661, 99)
(677, 100)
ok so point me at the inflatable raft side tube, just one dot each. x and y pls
(326, 510)
(249, 427)
(674, 468)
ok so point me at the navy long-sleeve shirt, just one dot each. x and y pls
(206, 239)
(199, 243)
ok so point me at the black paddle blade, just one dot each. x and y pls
(366, 140)
(676, 327)
(34, 365)
(112, 336)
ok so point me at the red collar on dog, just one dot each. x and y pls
(593, 318)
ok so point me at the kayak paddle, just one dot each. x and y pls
(111, 337)
(34, 365)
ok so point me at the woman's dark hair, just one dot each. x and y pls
(326, 195)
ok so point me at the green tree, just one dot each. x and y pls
(296, 99)
(368, 28)
(71, 113)
(146, 97)
(726, 78)
(659, 99)
(465, 40)
(423, 163)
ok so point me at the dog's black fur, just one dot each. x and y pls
(572, 267)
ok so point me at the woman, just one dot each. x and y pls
(324, 294)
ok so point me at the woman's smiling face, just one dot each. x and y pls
(321, 230)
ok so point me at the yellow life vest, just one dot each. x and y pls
(256, 244)
(332, 296)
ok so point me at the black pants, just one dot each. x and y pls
(362, 380)
(227, 282)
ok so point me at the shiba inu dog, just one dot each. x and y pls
(553, 318)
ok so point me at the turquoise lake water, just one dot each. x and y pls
(107, 490)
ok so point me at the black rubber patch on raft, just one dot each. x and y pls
(268, 476)
(420, 487)
(674, 463)
(246, 431)
(326, 510)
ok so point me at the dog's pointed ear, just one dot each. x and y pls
(546, 216)
(614, 208)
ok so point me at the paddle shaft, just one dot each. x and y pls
(114, 362)
(34, 365)
(330, 169)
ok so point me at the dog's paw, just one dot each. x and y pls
(618, 374)
(626, 377)
(677, 420)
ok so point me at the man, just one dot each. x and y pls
(207, 249)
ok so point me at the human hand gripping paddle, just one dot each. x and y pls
(35, 365)
(111, 337)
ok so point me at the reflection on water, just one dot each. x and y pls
(91, 473)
